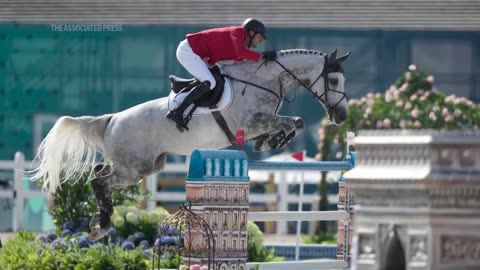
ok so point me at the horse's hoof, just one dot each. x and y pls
(95, 221)
(97, 233)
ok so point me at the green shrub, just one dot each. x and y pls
(255, 250)
(128, 220)
(24, 252)
(327, 238)
(77, 202)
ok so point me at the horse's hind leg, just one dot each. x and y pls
(100, 223)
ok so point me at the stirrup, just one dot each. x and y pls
(178, 120)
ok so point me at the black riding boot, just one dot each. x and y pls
(177, 114)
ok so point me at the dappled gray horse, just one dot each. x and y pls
(133, 143)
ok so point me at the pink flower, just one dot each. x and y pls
(399, 103)
(370, 95)
(379, 124)
(387, 123)
(448, 118)
(204, 267)
(403, 87)
(318, 157)
(388, 97)
(339, 155)
(469, 103)
(378, 95)
(431, 79)
(413, 97)
(414, 113)
(368, 110)
(412, 67)
(432, 116)
(417, 124)
(408, 106)
(195, 267)
(392, 88)
(423, 98)
(352, 102)
(457, 112)
(444, 111)
(403, 123)
(420, 92)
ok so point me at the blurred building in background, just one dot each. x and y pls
(47, 71)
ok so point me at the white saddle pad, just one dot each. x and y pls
(223, 103)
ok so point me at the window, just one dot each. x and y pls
(234, 245)
(243, 244)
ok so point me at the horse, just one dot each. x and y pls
(122, 148)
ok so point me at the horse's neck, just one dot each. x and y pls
(274, 76)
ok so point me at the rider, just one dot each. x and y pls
(202, 50)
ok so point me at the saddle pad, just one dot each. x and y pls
(225, 101)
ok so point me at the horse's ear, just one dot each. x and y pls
(333, 55)
(344, 57)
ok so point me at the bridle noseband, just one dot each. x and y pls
(323, 98)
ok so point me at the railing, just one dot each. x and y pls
(282, 198)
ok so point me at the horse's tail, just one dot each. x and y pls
(71, 147)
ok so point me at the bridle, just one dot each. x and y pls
(323, 98)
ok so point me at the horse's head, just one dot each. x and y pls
(329, 88)
(319, 73)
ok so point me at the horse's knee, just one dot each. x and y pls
(299, 123)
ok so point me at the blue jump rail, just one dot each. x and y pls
(345, 165)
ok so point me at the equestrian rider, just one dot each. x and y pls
(202, 50)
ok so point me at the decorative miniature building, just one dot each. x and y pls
(345, 227)
(417, 199)
(218, 187)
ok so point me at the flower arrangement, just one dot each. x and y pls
(412, 102)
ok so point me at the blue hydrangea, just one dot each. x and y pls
(68, 225)
(139, 236)
(127, 245)
(147, 252)
(144, 244)
(84, 242)
(43, 239)
(112, 232)
(85, 223)
(168, 240)
(66, 233)
(51, 237)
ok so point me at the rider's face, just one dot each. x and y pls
(257, 39)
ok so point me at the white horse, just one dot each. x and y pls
(124, 147)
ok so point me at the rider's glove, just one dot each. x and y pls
(269, 55)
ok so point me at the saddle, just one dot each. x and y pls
(181, 85)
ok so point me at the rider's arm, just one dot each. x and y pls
(238, 38)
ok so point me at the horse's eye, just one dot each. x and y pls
(333, 81)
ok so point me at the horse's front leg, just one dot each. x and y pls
(276, 131)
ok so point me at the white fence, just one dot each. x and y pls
(282, 198)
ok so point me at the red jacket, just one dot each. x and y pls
(222, 44)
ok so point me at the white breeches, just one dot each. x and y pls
(194, 64)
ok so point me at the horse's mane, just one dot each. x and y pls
(298, 51)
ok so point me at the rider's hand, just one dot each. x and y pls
(269, 55)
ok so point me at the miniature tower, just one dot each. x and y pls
(218, 187)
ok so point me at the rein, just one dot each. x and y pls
(323, 98)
